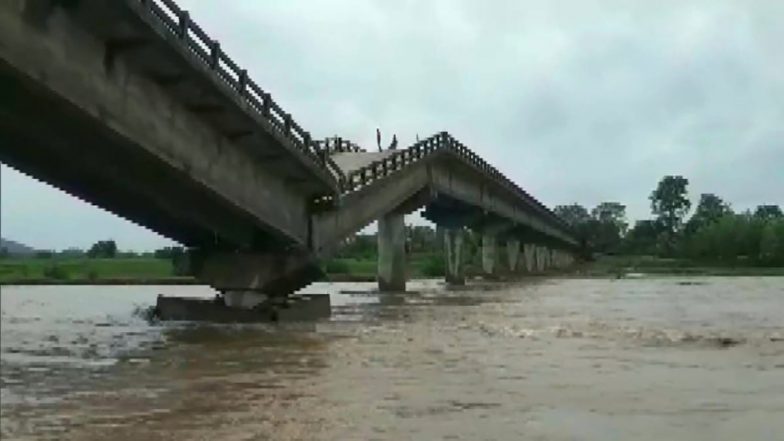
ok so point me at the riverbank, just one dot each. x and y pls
(623, 266)
(151, 271)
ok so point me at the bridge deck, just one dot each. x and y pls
(353, 161)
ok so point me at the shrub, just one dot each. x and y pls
(55, 272)
(434, 266)
(337, 267)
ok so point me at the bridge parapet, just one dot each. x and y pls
(439, 143)
(336, 144)
(166, 16)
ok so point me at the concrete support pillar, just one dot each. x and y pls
(392, 253)
(546, 258)
(453, 253)
(488, 254)
(529, 254)
(540, 264)
(512, 253)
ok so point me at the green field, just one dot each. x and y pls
(20, 270)
(619, 265)
(151, 270)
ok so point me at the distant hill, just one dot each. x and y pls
(16, 248)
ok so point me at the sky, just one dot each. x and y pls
(577, 101)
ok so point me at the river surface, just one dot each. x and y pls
(557, 359)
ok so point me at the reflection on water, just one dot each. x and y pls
(558, 359)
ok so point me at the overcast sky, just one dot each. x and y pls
(582, 101)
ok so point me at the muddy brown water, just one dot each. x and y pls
(558, 359)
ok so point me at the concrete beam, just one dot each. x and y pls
(273, 274)
(123, 117)
(529, 255)
(392, 253)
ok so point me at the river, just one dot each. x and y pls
(546, 359)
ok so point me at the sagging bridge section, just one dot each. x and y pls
(131, 106)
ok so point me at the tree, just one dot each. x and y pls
(768, 212)
(169, 252)
(103, 249)
(642, 238)
(710, 209)
(573, 214)
(670, 204)
(613, 213)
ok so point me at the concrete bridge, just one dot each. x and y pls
(131, 106)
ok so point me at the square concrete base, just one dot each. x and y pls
(304, 307)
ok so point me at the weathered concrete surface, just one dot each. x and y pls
(529, 257)
(453, 250)
(392, 253)
(541, 258)
(275, 273)
(360, 208)
(489, 255)
(512, 254)
(119, 139)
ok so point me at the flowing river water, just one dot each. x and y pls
(545, 359)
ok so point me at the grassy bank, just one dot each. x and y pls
(84, 270)
(141, 270)
(608, 266)
(365, 268)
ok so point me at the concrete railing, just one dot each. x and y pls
(440, 143)
(336, 144)
(176, 21)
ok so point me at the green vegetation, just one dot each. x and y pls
(620, 266)
(713, 241)
(74, 268)
(713, 237)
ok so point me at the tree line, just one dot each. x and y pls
(713, 233)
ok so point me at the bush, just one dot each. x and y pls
(55, 272)
(434, 266)
(337, 267)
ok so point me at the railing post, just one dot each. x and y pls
(185, 20)
(266, 105)
(214, 54)
(242, 81)
(307, 141)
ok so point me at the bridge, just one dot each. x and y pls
(131, 106)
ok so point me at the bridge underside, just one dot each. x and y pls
(52, 140)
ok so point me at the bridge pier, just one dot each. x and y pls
(488, 255)
(453, 250)
(512, 254)
(248, 277)
(529, 257)
(540, 259)
(392, 253)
